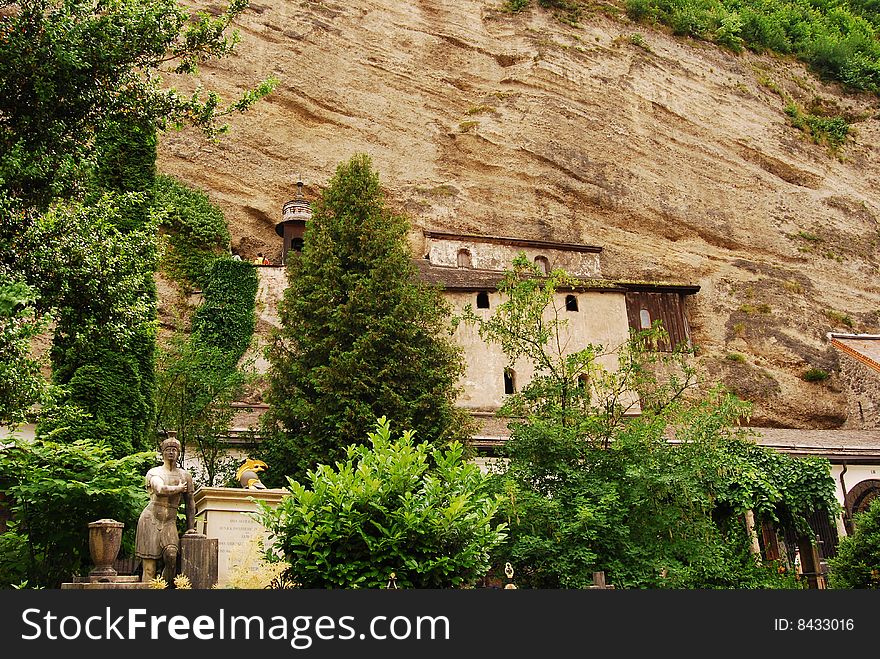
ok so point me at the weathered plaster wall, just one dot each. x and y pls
(601, 319)
(270, 291)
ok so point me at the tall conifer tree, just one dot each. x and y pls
(361, 337)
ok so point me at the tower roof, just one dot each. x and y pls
(297, 209)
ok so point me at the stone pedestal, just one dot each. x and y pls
(226, 518)
(198, 560)
(118, 583)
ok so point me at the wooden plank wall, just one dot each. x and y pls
(666, 307)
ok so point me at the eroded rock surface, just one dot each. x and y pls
(674, 155)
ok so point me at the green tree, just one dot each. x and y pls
(21, 383)
(81, 100)
(857, 564)
(77, 76)
(360, 337)
(99, 282)
(196, 384)
(390, 507)
(589, 486)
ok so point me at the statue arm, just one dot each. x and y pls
(158, 486)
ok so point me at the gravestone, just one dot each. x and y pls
(225, 514)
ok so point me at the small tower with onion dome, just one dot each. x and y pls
(292, 226)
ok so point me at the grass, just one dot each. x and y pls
(809, 237)
(735, 357)
(837, 39)
(838, 318)
(515, 6)
(465, 126)
(636, 39)
(830, 132)
(566, 11)
(813, 374)
(479, 109)
(755, 308)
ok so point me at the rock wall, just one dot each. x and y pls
(673, 155)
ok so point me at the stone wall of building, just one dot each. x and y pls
(862, 385)
(498, 256)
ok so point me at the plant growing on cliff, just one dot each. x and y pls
(361, 337)
(391, 507)
(199, 374)
(838, 40)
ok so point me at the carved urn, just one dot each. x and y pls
(105, 540)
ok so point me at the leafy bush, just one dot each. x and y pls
(53, 490)
(857, 564)
(394, 506)
(515, 6)
(813, 374)
(828, 131)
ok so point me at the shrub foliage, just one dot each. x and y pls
(391, 507)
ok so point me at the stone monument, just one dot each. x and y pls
(227, 514)
(105, 539)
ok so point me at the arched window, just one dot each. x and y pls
(464, 258)
(482, 300)
(296, 244)
(645, 319)
(571, 303)
(583, 381)
(543, 264)
(509, 380)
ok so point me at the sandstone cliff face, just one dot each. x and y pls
(677, 158)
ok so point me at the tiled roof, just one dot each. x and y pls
(836, 445)
(851, 446)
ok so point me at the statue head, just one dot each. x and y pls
(169, 442)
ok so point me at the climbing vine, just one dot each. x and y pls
(200, 372)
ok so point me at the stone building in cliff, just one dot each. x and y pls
(598, 311)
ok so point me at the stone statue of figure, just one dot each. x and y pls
(157, 541)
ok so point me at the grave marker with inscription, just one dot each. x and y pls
(224, 513)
